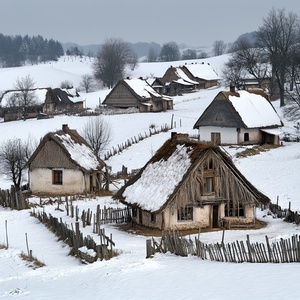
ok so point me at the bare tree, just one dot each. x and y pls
(24, 95)
(133, 61)
(219, 47)
(233, 74)
(110, 63)
(248, 60)
(170, 52)
(97, 132)
(189, 54)
(66, 84)
(278, 34)
(87, 82)
(14, 155)
(152, 55)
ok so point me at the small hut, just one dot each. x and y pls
(64, 164)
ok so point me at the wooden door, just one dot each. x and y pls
(216, 138)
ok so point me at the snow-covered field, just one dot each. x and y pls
(130, 275)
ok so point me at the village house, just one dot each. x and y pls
(62, 100)
(188, 184)
(137, 93)
(202, 73)
(176, 82)
(64, 164)
(240, 117)
(42, 101)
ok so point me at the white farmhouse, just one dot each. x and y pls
(242, 117)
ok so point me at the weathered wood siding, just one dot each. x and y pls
(122, 97)
(52, 156)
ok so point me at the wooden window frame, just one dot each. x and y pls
(237, 212)
(185, 213)
(208, 185)
(57, 177)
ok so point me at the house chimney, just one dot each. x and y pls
(65, 128)
(232, 88)
(173, 135)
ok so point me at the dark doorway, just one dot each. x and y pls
(215, 221)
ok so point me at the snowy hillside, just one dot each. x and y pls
(130, 275)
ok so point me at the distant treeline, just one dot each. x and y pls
(16, 50)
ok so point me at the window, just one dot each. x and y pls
(57, 177)
(208, 185)
(185, 213)
(208, 165)
(153, 218)
(231, 211)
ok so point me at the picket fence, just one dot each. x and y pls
(75, 239)
(280, 251)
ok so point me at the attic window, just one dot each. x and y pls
(209, 165)
(185, 213)
(219, 117)
(57, 177)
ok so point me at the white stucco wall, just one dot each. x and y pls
(228, 135)
(73, 182)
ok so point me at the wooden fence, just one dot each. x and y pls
(75, 239)
(101, 216)
(13, 199)
(135, 140)
(281, 251)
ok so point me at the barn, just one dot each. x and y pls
(64, 164)
(188, 184)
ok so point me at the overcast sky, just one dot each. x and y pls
(193, 22)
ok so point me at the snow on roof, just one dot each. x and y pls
(184, 77)
(142, 88)
(202, 70)
(80, 153)
(255, 110)
(40, 95)
(159, 180)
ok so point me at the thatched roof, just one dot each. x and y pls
(250, 109)
(75, 148)
(159, 180)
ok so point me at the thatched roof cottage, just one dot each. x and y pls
(189, 184)
(64, 164)
(137, 93)
(240, 117)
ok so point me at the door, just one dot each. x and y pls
(215, 219)
(216, 138)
